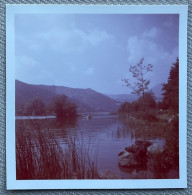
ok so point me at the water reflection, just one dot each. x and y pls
(103, 137)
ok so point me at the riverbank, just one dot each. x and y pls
(161, 160)
(105, 135)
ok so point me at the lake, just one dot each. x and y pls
(104, 136)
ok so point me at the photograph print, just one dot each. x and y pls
(96, 96)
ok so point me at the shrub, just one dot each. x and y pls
(63, 108)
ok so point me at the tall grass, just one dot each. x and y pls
(169, 159)
(145, 129)
(40, 156)
(159, 163)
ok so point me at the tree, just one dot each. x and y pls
(159, 105)
(141, 85)
(149, 100)
(125, 107)
(135, 106)
(35, 107)
(171, 88)
(63, 108)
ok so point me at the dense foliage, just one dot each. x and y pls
(171, 89)
(59, 106)
(36, 107)
(135, 106)
(149, 100)
(62, 107)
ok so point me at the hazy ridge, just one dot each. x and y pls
(157, 91)
(87, 100)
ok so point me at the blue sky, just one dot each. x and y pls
(92, 50)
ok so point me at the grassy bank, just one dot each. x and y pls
(150, 125)
(162, 163)
(40, 156)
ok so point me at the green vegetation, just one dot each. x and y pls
(168, 160)
(62, 107)
(170, 92)
(141, 85)
(159, 163)
(171, 89)
(144, 107)
(36, 107)
(86, 100)
(135, 108)
(157, 120)
(41, 156)
(59, 106)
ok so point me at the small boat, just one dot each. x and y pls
(88, 116)
(85, 116)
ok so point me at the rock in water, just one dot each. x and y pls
(134, 155)
(154, 149)
(127, 159)
(139, 149)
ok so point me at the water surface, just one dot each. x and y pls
(103, 136)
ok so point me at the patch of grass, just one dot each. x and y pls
(159, 164)
(40, 156)
(153, 125)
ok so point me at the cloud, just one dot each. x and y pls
(152, 33)
(71, 40)
(96, 37)
(138, 47)
(24, 62)
(29, 70)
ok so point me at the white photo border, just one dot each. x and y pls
(12, 183)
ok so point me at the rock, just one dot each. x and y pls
(121, 153)
(134, 155)
(139, 144)
(141, 152)
(139, 149)
(154, 149)
(127, 159)
(142, 143)
(132, 148)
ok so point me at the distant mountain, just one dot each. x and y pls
(25, 93)
(87, 100)
(157, 90)
(123, 97)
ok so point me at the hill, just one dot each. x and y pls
(123, 97)
(87, 100)
(157, 90)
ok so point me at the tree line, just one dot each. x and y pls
(146, 101)
(59, 106)
(146, 104)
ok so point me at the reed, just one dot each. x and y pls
(40, 156)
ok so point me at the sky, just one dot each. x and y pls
(94, 50)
